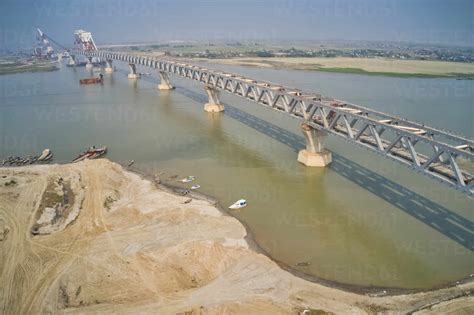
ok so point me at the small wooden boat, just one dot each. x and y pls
(194, 187)
(91, 153)
(82, 156)
(188, 179)
(91, 80)
(44, 154)
(98, 153)
(49, 157)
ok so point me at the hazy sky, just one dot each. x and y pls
(119, 21)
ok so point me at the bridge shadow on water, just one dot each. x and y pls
(450, 224)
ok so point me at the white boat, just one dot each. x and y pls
(44, 154)
(193, 187)
(239, 204)
(188, 179)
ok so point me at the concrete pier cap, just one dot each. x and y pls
(214, 105)
(314, 154)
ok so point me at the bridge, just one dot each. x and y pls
(436, 153)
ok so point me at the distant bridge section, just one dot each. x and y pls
(436, 153)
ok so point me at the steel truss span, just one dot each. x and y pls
(436, 153)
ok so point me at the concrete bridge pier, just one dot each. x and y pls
(165, 83)
(214, 105)
(89, 63)
(315, 154)
(72, 60)
(108, 66)
(133, 75)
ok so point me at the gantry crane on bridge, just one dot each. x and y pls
(436, 153)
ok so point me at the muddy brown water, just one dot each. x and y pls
(362, 221)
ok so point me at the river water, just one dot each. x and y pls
(363, 221)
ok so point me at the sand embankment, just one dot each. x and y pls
(134, 248)
(367, 66)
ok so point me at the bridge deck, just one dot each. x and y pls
(439, 154)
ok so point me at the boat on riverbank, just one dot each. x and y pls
(45, 156)
(91, 153)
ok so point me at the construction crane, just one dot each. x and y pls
(46, 50)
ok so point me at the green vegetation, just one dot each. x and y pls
(387, 74)
(10, 183)
(318, 312)
(52, 199)
(311, 49)
(372, 308)
(318, 67)
(306, 64)
(109, 200)
(19, 67)
(396, 74)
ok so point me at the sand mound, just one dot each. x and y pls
(112, 242)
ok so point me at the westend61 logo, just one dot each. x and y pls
(433, 35)
(12, 38)
(17, 142)
(18, 88)
(339, 8)
(120, 113)
(118, 8)
(432, 89)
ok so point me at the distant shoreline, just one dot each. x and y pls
(19, 67)
(394, 74)
(360, 66)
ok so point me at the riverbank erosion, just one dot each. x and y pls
(92, 237)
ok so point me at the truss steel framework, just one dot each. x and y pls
(439, 154)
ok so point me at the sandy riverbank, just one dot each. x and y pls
(366, 66)
(135, 248)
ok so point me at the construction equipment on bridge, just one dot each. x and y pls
(436, 153)
(84, 40)
(44, 50)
